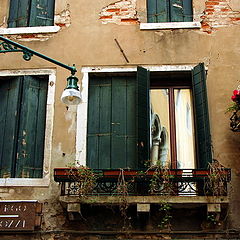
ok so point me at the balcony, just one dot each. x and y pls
(151, 186)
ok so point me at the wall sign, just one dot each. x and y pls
(20, 215)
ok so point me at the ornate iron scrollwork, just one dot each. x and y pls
(235, 121)
(7, 47)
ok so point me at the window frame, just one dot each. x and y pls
(81, 134)
(171, 86)
(28, 13)
(45, 180)
(145, 25)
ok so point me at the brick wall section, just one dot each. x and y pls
(218, 14)
(120, 12)
(63, 19)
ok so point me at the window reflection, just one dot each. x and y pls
(160, 128)
(182, 127)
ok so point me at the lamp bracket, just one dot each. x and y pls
(7, 45)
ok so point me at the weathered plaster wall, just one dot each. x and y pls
(87, 38)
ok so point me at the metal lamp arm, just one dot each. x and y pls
(10, 46)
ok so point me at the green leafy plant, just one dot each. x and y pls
(161, 180)
(165, 210)
(84, 178)
(122, 191)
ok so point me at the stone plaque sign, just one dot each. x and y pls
(18, 215)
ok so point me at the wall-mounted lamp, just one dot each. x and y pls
(71, 95)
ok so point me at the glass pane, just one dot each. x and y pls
(160, 127)
(185, 138)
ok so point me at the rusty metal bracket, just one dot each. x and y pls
(124, 55)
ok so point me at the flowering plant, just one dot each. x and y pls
(236, 96)
(236, 101)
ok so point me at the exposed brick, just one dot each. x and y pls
(211, 3)
(120, 12)
(130, 20)
(60, 24)
(235, 19)
(113, 10)
(218, 14)
(105, 17)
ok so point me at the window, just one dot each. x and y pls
(31, 13)
(22, 126)
(169, 11)
(137, 119)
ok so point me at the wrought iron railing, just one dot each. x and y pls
(176, 182)
(235, 121)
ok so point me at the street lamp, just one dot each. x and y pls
(71, 94)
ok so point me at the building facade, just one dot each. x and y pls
(156, 79)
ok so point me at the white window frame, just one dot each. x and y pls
(29, 30)
(81, 135)
(45, 180)
(169, 25)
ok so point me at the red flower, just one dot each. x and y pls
(236, 92)
(234, 98)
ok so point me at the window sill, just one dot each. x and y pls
(24, 182)
(27, 30)
(169, 25)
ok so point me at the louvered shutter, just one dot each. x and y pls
(143, 116)
(201, 115)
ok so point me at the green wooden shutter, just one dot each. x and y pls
(201, 115)
(18, 13)
(10, 93)
(177, 13)
(111, 139)
(157, 11)
(99, 123)
(31, 132)
(187, 11)
(143, 116)
(42, 13)
(123, 144)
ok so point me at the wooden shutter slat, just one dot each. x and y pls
(131, 140)
(143, 116)
(151, 11)
(23, 13)
(19, 11)
(201, 115)
(187, 11)
(104, 137)
(119, 104)
(162, 11)
(40, 131)
(9, 95)
(42, 13)
(31, 128)
(177, 12)
(93, 123)
(13, 13)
